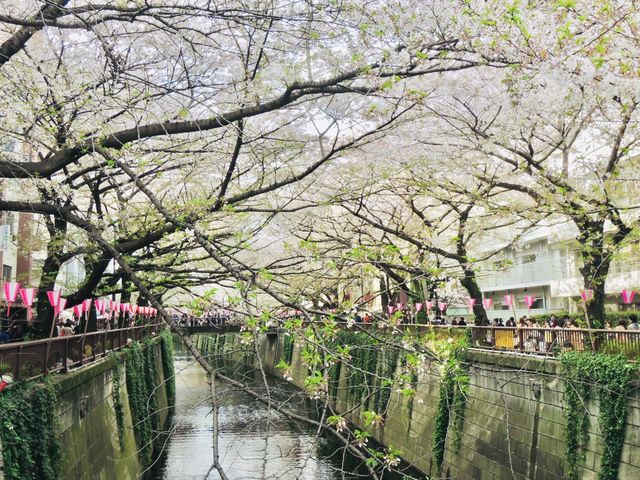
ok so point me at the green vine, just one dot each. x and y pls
(168, 369)
(386, 370)
(29, 431)
(118, 406)
(152, 381)
(334, 378)
(364, 361)
(609, 377)
(454, 385)
(287, 349)
(137, 387)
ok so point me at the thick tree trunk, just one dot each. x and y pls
(595, 267)
(470, 283)
(384, 294)
(594, 273)
(50, 270)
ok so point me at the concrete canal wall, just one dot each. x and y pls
(96, 408)
(513, 427)
(88, 426)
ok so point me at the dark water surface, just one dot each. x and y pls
(255, 443)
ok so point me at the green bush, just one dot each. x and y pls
(29, 431)
(611, 317)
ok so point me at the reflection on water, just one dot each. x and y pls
(255, 442)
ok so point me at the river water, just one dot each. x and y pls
(255, 443)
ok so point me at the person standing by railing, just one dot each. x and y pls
(622, 324)
(67, 330)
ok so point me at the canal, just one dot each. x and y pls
(255, 442)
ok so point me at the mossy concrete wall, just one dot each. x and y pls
(89, 433)
(513, 427)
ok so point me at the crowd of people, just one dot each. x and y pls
(207, 319)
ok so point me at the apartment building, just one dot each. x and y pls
(16, 230)
(545, 264)
(21, 235)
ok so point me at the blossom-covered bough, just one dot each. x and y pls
(182, 142)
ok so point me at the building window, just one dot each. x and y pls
(528, 258)
(539, 303)
(6, 273)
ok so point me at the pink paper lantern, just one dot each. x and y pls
(10, 294)
(390, 309)
(627, 296)
(418, 307)
(487, 303)
(529, 300)
(134, 309)
(470, 303)
(62, 303)
(86, 307)
(78, 310)
(508, 300)
(54, 299)
(399, 306)
(442, 306)
(27, 295)
(586, 295)
(429, 305)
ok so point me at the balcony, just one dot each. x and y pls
(539, 272)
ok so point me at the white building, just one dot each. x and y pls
(544, 264)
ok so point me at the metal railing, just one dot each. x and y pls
(533, 340)
(553, 341)
(28, 360)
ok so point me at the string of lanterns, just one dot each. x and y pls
(12, 289)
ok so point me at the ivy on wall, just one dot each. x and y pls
(454, 385)
(152, 383)
(118, 405)
(287, 349)
(608, 377)
(372, 367)
(386, 371)
(29, 431)
(139, 395)
(166, 345)
(143, 387)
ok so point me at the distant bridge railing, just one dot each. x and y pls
(528, 340)
(28, 360)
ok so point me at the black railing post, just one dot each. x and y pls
(521, 339)
(65, 366)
